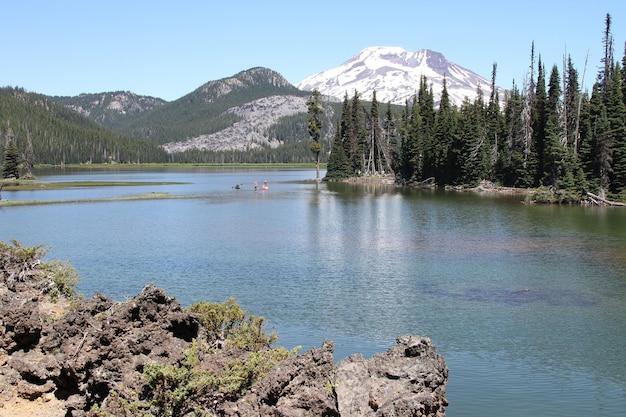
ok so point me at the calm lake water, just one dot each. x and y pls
(527, 304)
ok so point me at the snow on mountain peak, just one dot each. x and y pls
(395, 75)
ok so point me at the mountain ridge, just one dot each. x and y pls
(395, 75)
(251, 109)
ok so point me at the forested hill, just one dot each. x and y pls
(112, 109)
(58, 135)
(203, 111)
(253, 116)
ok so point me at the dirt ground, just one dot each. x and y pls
(46, 406)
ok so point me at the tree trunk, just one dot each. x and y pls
(596, 199)
(317, 166)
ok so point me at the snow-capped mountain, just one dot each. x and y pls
(395, 75)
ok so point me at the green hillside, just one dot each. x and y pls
(59, 135)
(203, 110)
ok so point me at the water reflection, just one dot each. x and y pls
(524, 302)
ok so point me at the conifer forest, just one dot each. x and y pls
(545, 132)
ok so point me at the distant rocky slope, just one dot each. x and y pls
(88, 357)
(111, 109)
(250, 131)
(233, 113)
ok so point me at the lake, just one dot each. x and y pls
(526, 303)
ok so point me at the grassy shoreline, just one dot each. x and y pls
(144, 196)
(31, 185)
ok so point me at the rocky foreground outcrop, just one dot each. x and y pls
(80, 355)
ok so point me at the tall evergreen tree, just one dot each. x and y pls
(314, 105)
(337, 167)
(600, 154)
(495, 125)
(604, 73)
(476, 154)
(357, 134)
(616, 114)
(602, 118)
(10, 166)
(572, 107)
(554, 140)
(426, 102)
(412, 146)
(443, 135)
(347, 132)
(539, 120)
(525, 176)
(375, 158)
(510, 157)
(623, 78)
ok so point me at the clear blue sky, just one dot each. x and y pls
(167, 49)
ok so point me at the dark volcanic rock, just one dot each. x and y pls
(407, 380)
(94, 347)
(20, 325)
(97, 347)
(297, 387)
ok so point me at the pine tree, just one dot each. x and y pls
(513, 157)
(604, 73)
(623, 78)
(572, 102)
(476, 155)
(554, 140)
(10, 166)
(616, 114)
(539, 120)
(495, 125)
(525, 174)
(605, 119)
(357, 135)
(443, 134)
(337, 167)
(315, 127)
(375, 159)
(412, 145)
(345, 127)
(426, 102)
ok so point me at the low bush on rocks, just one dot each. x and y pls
(19, 264)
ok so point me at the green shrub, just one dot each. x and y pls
(240, 375)
(229, 323)
(20, 263)
(119, 406)
(63, 279)
(184, 388)
(546, 195)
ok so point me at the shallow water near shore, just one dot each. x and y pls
(527, 304)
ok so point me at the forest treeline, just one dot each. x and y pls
(36, 130)
(544, 133)
(44, 132)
